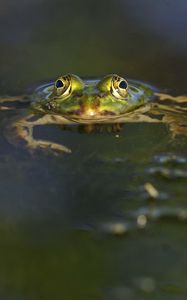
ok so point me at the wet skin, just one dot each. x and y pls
(73, 97)
(110, 100)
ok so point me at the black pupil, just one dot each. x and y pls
(123, 84)
(59, 84)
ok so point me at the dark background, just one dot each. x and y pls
(142, 39)
(57, 211)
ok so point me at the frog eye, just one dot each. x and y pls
(119, 87)
(115, 85)
(59, 84)
(62, 86)
(123, 85)
(67, 84)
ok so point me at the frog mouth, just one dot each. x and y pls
(90, 116)
(91, 113)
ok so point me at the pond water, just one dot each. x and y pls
(109, 220)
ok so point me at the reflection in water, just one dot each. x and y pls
(107, 221)
(163, 109)
(96, 188)
(37, 263)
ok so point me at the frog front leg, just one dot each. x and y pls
(173, 114)
(24, 130)
(177, 99)
(9, 102)
(177, 125)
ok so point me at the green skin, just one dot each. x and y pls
(91, 99)
(110, 100)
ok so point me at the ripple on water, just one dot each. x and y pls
(151, 194)
(162, 213)
(146, 216)
(116, 228)
(169, 166)
(121, 227)
(121, 293)
(166, 158)
(136, 220)
(143, 285)
(168, 173)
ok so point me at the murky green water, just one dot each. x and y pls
(82, 226)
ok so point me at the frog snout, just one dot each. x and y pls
(89, 105)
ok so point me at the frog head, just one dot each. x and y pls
(93, 99)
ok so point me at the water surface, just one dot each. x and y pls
(83, 225)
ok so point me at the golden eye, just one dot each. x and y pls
(115, 85)
(62, 86)
(119, 87)
(66, 85)
(123, 85)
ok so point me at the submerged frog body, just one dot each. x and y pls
(110, 100)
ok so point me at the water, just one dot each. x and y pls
(86, 225)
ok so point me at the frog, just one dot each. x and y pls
(111, 99)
